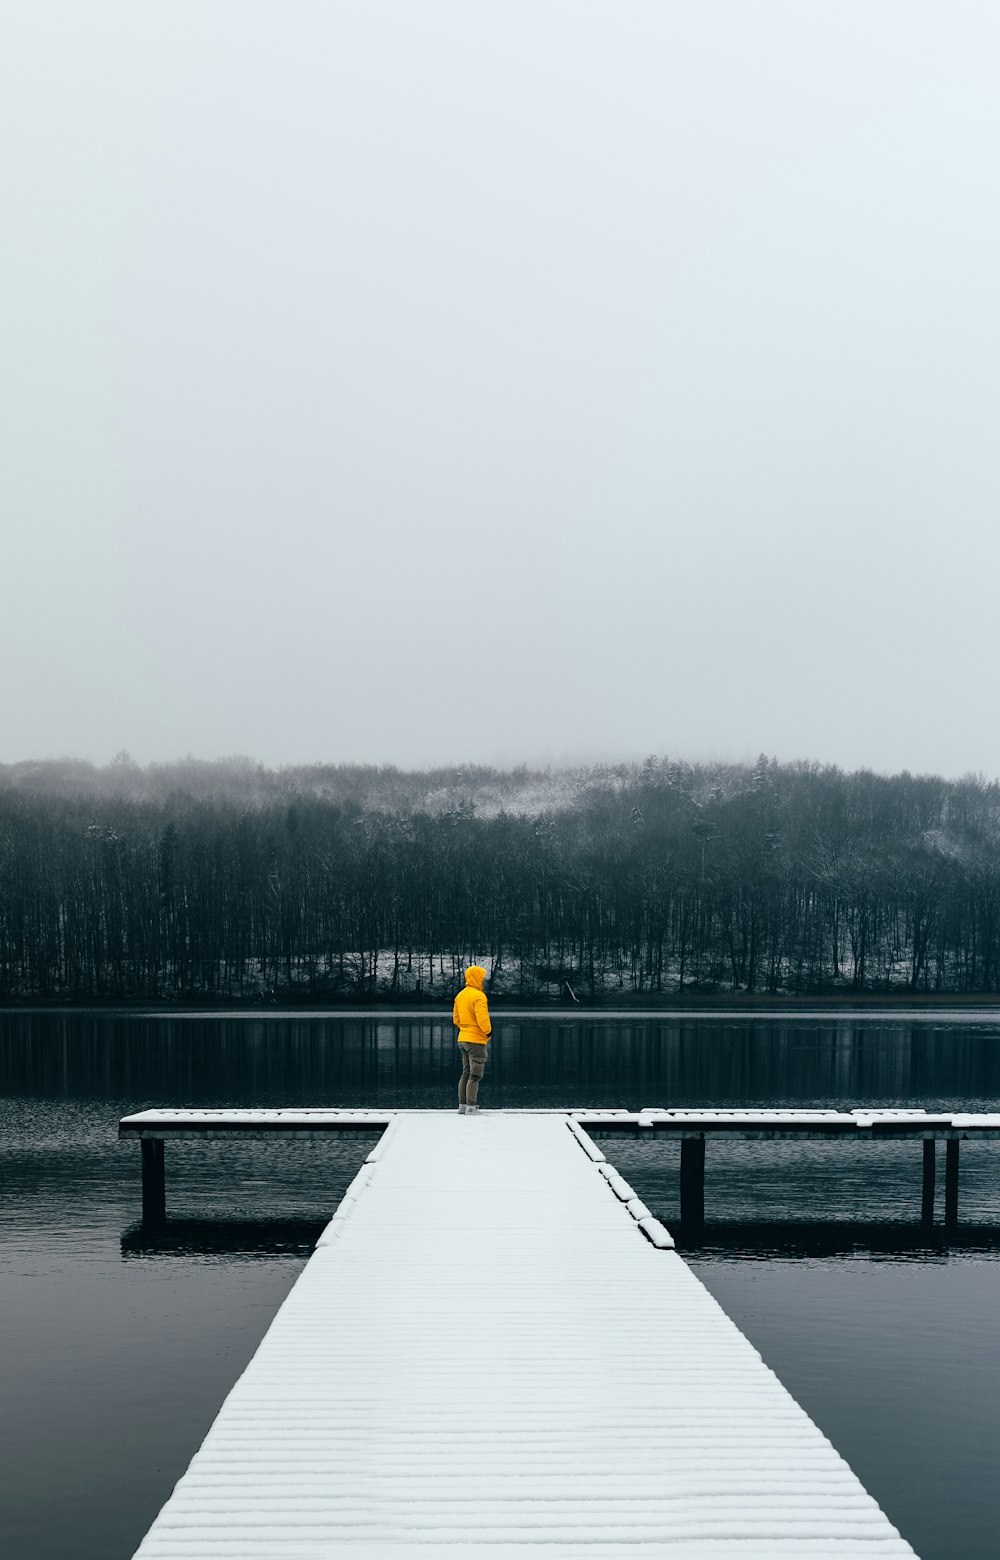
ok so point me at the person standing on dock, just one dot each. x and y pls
(471, 1017)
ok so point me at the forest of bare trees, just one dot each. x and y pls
(227, 881)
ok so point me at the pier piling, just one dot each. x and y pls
(154, 1182)
(692, 1182)
(930, 1169)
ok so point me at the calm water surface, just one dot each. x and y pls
(118, 1348)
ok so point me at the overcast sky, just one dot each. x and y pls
(428, 382)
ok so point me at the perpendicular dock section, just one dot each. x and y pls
(489, 1356)
(310, 1121)
(154, 1128)
(693, 1128)
(809, 1125)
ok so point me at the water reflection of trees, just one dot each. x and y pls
(234, 882)
(66, 1059)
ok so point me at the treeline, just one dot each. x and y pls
(229, 881)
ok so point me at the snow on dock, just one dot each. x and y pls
(495, 1351)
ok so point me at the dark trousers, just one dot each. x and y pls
(473, 1067)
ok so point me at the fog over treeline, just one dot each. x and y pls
(227, 880)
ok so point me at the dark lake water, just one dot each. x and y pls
(119, 1347)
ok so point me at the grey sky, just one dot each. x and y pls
(446, 381)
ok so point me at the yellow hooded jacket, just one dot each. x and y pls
(471, 1014)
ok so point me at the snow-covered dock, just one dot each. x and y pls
(495, 1351)
(691, 1127)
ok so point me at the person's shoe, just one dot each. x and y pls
(472, 1110)
(462, 1109)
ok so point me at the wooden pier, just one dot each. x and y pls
(494, 1351)
(691, 1128)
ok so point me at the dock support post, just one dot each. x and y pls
(154, 1181)
(930, 1170)
(951, 1181)
(693, 1181)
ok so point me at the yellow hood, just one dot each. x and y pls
(474, 976)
